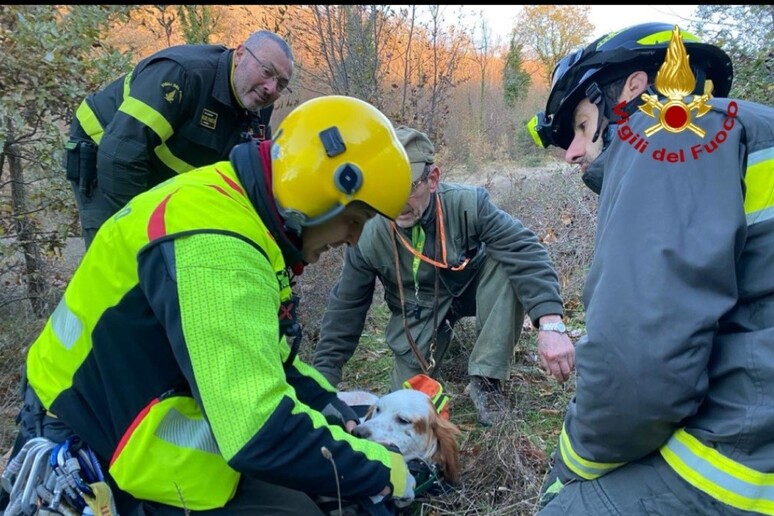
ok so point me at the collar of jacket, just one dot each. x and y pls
(252, 164)
(221, 87)
(594, 174)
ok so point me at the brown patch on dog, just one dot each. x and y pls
(447, 456)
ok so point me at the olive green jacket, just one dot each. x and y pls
(474, 227)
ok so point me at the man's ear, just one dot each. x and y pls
(434, 177)
(636, 84)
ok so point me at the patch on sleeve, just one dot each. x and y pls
(172, 92)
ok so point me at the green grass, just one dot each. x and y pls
(503, 466)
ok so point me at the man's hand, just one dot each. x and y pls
(339, 413)
(557, 353)
(401, 500)
(405, 498)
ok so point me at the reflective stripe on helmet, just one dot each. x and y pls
(664, 36)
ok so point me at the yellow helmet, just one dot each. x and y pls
(332, 150)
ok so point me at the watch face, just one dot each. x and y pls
(558, 326)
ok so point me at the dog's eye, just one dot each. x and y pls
(403, 421)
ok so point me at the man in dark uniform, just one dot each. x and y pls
(179, 109)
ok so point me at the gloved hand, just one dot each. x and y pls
(403, 497)
(339, 413)
(550, 489)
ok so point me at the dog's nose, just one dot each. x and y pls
(361, 431)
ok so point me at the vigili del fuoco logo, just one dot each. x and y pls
(676, 81)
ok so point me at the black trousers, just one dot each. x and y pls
(252, 497)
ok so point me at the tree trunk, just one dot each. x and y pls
(25, 228)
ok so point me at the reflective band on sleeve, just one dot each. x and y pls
(66, 325)
(172, 161)
(159, 125)
(580, 466)
(147, 115)
(724, 479)
(89, 122)
(759, 180)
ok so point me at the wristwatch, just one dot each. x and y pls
(558, 327)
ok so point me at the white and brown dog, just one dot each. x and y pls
(407, 419)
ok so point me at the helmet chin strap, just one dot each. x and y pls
(596, 97)
(594, 175)
(605, 112)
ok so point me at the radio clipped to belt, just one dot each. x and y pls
(81, 164)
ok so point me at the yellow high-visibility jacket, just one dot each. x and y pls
(165, 354)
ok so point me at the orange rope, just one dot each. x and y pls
(440, 228)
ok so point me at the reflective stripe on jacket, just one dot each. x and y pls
(174, 112)
(679, 355)
(174, 373)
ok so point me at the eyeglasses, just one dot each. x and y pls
(268, 74)
(422, 178)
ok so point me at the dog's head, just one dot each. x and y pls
(407, 419)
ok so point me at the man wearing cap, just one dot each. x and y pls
(451, 253)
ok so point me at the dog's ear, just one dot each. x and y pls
(448, 454)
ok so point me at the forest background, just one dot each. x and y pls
(426, 66)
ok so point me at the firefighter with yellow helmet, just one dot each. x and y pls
(173, 352)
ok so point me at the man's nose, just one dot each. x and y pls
(272, 86)
(575, 152)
